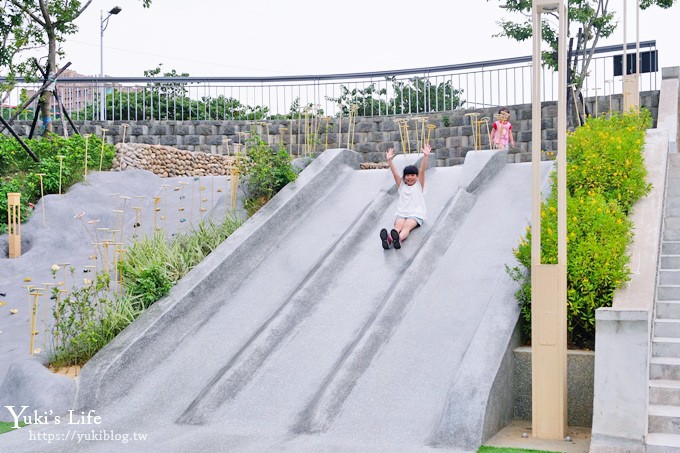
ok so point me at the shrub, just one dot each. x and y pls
(263, 172)
(606, 175)
(92, 315)
(18, 171)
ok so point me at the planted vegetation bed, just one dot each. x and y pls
(606, 175)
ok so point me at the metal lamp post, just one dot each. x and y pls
(549, 281)
(103, 23)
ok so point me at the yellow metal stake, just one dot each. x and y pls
(609, 83)
(164, 216)
(596, 89)
(58, 310)
(473, 122)
(61, 168)
(101, 153)
(326, 119)
(125, 198)
(47, 306)
(156, 202)
(36, 293)
(181, 197)
(137, 224)
(430, 128)
(405, 140)
(340, 126)
(282, 131)
(352, 125)
(87, 136)
(125, 126)
(573, 96)
(485, 120)
(585, 96)
(298, 135)
(42, 198)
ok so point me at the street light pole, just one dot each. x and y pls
(549, 281)
(103, 23)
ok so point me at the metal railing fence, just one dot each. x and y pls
(421, 90)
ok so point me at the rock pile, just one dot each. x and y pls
(373, 165)
(166, 161)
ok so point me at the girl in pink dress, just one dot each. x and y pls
(501, 134)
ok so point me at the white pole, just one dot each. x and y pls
(637, 38)
(102, 95)
(625, 37)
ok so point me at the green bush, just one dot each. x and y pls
(263, 172)
(19, 172)
(606, 175)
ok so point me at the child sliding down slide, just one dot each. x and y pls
(411, 210)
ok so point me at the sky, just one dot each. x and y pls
(306, 37)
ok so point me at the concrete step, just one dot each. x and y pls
(663, 443)
(672, 208)
(667, 368)
(664, 392)
(666, 347)
(670, 248)
(667, 328)
(669, 277)
(664, 419)
(671, 229)
(670, 262)
(667, 309)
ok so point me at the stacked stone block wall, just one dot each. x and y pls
(451, 139)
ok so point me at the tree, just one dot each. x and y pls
(369, 101)
(419, 95)
(29, 24)
(593, 19)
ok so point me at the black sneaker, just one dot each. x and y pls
(383, 238)
(395, 239)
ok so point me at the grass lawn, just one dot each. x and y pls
(7, 426)
(508, 450)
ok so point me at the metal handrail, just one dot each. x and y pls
(344, 76)
(480, 84)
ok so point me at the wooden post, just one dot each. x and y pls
(14, 223)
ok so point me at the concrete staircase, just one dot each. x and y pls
(663, 430)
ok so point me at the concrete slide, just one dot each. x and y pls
(300, 333)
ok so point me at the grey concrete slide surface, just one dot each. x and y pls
(300, 333)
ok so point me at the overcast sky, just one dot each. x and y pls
(287, 37)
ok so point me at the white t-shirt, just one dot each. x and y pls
(411, 201)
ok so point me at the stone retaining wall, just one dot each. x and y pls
(167, 161)
(451, 139)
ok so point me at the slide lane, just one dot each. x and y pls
(286, 359)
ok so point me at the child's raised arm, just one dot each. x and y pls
(390, 156)
(423, 164)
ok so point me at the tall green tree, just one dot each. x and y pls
(588, 21)
(31, 24)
